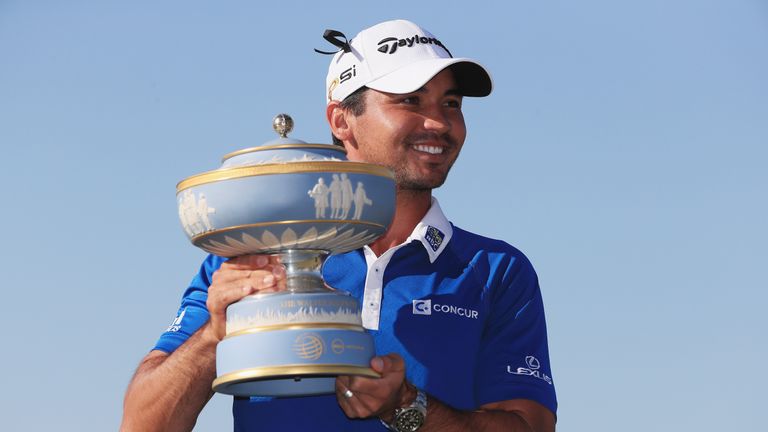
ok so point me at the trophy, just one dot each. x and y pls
(301, 202)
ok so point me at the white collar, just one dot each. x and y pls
(433, 231)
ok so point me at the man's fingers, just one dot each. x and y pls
(246, 262)
(388, 363)
(251, 262)
(276, 272)
(377, 364)
(229, 275)
(373, 396)
(226, 294)
(230, 286)
(354, 401)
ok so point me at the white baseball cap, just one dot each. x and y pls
(397, 57)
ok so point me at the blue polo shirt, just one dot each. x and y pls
(464, 311)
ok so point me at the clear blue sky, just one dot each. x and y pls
(623, 150)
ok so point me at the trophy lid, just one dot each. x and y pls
(283, 149)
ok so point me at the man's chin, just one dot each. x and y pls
(419, 186)
(419, 180)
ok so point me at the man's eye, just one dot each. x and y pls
(411, 100)
(453, 103)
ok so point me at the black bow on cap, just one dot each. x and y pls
(334, 37)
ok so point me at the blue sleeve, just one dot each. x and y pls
(193, 312)
(514, 356)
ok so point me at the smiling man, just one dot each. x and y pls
(457, 318)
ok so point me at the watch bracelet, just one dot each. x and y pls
(419, 404)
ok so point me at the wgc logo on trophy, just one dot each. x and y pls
(302, 202)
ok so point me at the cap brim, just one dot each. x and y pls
(471, 78)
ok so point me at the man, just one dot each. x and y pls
(457, 318)
(320, 194)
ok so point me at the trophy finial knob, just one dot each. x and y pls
(282, 124)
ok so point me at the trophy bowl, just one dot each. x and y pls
(301, 202)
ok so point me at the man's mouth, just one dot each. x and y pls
(429, 149)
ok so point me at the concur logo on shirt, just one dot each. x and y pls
(422, 307)
(425, 307)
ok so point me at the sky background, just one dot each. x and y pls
(623, 150)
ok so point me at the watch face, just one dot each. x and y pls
(409, 420)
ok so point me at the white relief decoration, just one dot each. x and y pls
(288, 239)
(193, 213)
(340, 196)
(252, 241)
(320, 194)
(270, 240)
(332, 239)
(360, 200)
(234, 242)
(309, 236)
(346, 196)
(302, 315)
(335, 197)
(278, 159)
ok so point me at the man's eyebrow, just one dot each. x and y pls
(449, 92)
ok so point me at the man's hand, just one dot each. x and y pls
(240, 277)
(376, 397)
(362, 397)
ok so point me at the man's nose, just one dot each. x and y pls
(437, 121)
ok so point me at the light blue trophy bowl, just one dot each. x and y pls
(301, 202)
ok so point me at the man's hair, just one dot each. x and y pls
(355, 104)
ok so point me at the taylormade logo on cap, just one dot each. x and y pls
(397, 57)
(387, 48)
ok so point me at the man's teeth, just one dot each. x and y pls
(429, 149)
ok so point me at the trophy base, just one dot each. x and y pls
(292, 344)
(284, 381)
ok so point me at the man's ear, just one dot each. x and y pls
(337, 119)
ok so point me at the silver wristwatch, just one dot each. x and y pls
(410, 418)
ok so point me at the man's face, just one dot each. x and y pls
(418, 135)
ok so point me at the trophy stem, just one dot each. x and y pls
(303, 269)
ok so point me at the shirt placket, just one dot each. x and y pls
(374, 287)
